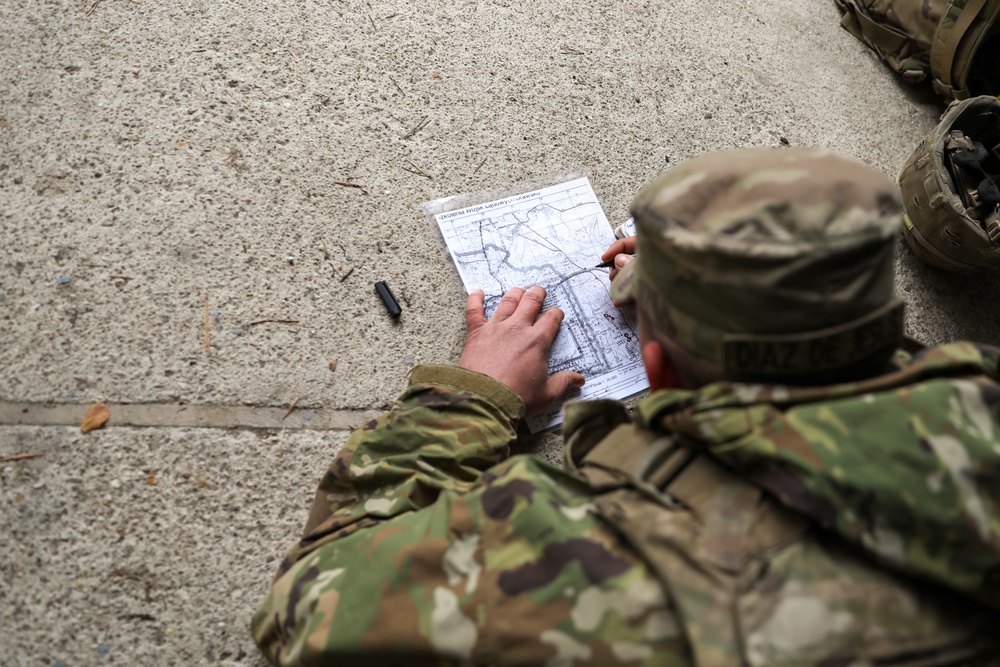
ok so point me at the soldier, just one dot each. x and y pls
(795, 490)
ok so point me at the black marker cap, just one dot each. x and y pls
(388, 300)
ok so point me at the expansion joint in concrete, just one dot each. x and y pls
(173, 415)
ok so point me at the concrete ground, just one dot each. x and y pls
(250, 170)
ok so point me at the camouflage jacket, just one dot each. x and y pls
(427, 545)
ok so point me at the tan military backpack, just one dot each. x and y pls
(956, 43)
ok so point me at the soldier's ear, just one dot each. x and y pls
(659, 367)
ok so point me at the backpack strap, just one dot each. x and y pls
(697, 526)
(678, 477)
(955, 25)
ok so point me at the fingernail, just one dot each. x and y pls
(623, 259)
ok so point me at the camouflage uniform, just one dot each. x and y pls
(426, 546)
(741, 523)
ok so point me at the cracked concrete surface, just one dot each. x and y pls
(269, 160)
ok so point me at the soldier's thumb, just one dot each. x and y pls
(561, 382)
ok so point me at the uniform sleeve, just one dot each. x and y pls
(446, 429)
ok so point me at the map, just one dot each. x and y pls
(553, 237)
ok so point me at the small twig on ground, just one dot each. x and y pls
(272, 319)
(208, 328)
(19, 457)
(93, 6)
(292, 406)
(570, 51)
(419, 126)
(397, 85)
(351, 185)
(418, 171)
(136, 576)
(480, 165)
(138, 617)
(374, 27)
(349, 272)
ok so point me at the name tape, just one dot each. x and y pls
(829, 349)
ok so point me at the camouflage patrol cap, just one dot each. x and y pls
(776, 264)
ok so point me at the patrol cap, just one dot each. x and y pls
(777, 264)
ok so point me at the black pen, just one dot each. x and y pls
(606, 265)
(388, 299)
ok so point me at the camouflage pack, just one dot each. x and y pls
(955, 43)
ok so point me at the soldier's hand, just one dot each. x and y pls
(513, 346)
(622, 251)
